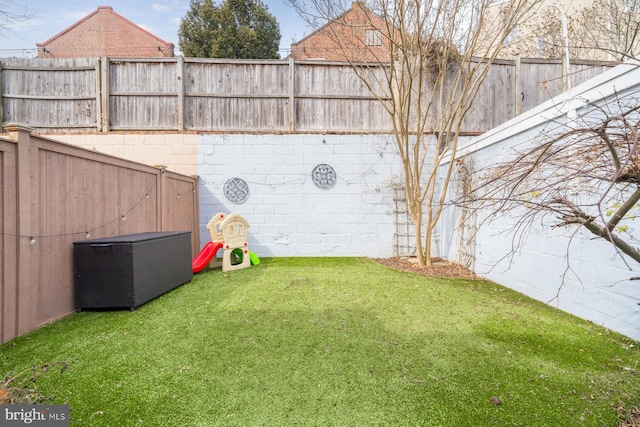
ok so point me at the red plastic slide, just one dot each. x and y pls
(205, 256)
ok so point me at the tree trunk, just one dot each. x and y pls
(419, 252)
(427, 248)
(428, 237)
(415, 213)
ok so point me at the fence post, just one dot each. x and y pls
(99, 95)
(196, 214)
(161, 199)
(26, 293)
(517, 86)
(1, 110)
(104, 80)
(180, 77)
(292, 95)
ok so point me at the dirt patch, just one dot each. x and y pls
(438, 267)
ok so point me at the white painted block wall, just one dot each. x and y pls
(576, 273)
(288, 214)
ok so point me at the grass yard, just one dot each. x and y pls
(331, 342)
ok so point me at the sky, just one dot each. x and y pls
(160, 17)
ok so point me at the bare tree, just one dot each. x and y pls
(583, 173)
(598, 30)
(426, 75)
(610, 26)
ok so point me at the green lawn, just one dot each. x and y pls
(332, 342)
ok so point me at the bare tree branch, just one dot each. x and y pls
(13, 12)
(584, 175)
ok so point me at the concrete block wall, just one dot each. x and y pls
(291, 216)
(177, 151)
(564, 267)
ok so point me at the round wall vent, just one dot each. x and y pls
(236, 190)
(324, 176)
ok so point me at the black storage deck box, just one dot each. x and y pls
(127, 271)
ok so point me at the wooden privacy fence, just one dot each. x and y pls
(52, 194)
(176, 94)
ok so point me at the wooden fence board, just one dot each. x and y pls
(50, 94)
(57, 193)
(245, 96)
(8, 228)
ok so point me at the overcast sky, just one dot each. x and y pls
(159, 17)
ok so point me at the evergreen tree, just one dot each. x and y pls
(240, 29)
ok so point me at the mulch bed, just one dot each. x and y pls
(438, 267)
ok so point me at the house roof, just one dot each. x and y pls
(338, 19)
(107, 10)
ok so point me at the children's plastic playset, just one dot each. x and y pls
(229, 234)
